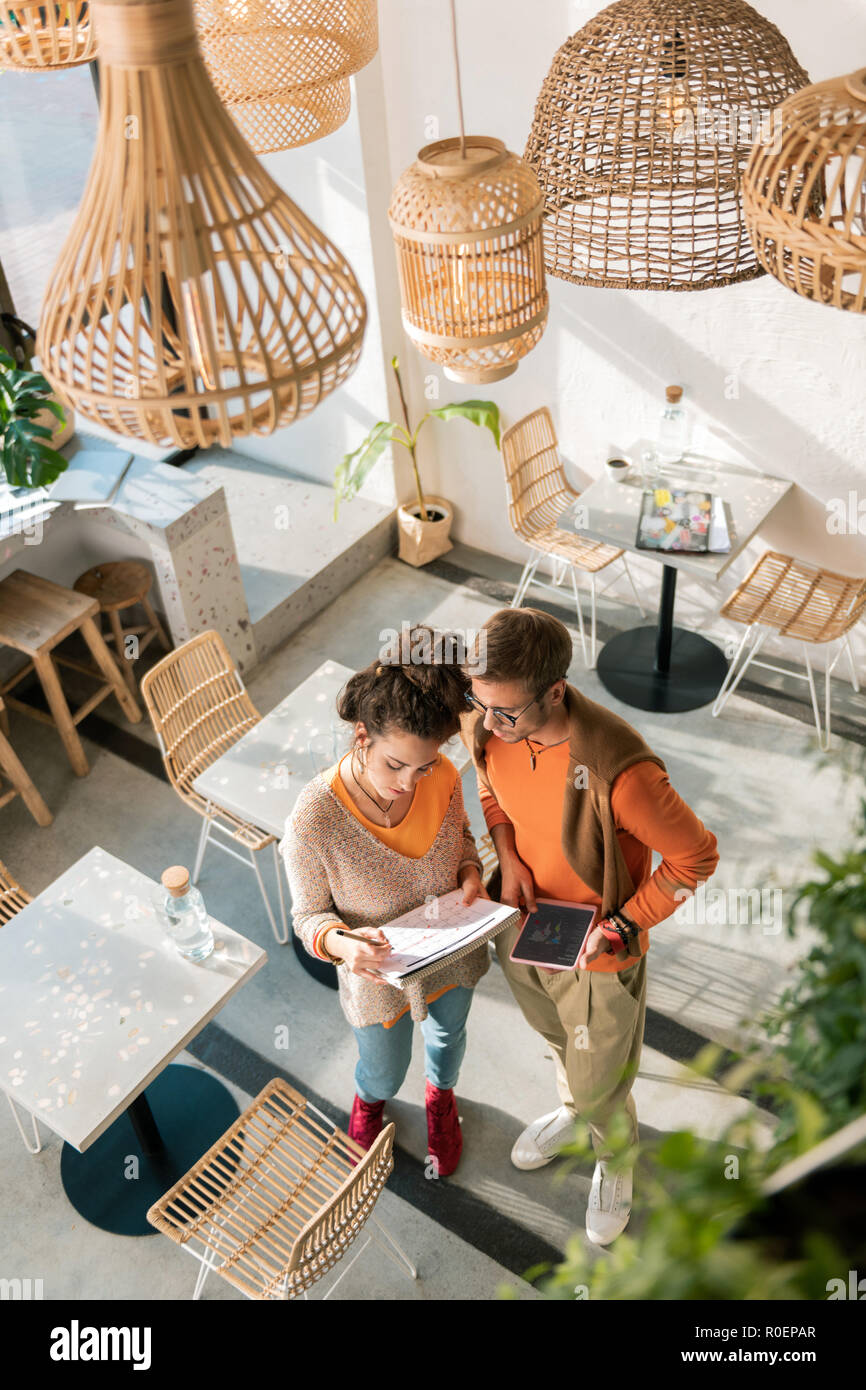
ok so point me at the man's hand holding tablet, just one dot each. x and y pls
(554, 936)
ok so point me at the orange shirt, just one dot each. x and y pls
(648, 813)
(416, 831)
(419, 827)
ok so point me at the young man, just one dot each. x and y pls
(576, 802)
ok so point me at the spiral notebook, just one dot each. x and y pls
(441, 930)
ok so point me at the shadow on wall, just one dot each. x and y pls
(802, 524)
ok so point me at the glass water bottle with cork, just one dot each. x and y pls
(673, 436)
(186, 915)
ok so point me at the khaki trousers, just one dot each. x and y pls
(594, 1024)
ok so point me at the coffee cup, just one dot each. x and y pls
(618, 469)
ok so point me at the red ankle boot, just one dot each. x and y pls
(444, 1137)
(366, 1121)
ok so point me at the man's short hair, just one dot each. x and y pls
(522, 644)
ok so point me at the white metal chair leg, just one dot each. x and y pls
(811, 679)
(855, 684)
(274, 928)
(202, 846)
(592, 642)
(278, 870)
(36, 1136)
(560, 569)
(393, 1248)
(641, 608)
(579, 616)
(205, 1267)
(526, 579)
(730, 684)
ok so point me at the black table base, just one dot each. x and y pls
(664, 668)
(149, 1147)
(320, 970)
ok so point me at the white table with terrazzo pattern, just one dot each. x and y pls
(95, 1001)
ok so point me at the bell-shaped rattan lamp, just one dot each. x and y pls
(282, 67)
(467, 229)
(192, 301)
(35, 37)
(641, 133)
(804, 195)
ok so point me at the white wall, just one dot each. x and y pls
(769, 375)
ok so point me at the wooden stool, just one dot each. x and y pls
(35, 615)
(16, 774)
(116, 585)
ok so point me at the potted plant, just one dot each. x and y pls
(424, 524)
(29, 436)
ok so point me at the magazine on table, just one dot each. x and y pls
(682, 521)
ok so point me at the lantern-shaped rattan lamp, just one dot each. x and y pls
(642, 130)
(467, 229)
(805, 195)
(192, 301)
(282, 67)
(36, 37)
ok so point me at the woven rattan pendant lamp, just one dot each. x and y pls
(35, 37)
(282, 67)
(466, 219)
(805, 196)
(192, 301)
(642, 130)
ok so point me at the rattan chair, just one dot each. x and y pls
(199, 707)
(538, 493)
(797, 600)
(278, 1200)
(12, 898)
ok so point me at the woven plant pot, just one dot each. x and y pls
(641, 134)
(60, 434)
(422, 541)
(805, 197)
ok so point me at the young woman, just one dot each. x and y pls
(378, 834)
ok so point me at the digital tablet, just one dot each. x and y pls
(553, 935)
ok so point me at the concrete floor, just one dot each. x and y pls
(753, 776)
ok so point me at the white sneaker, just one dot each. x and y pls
(541, 1141)
(609, 1204)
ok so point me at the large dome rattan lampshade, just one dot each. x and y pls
(192, 301)
(467, 230)
(805, 196)
(642, 130)
(282, 67)
(35, 36)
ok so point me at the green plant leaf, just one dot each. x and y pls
(353, 469)
(484, 413)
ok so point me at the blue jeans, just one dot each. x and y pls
(385, 1053)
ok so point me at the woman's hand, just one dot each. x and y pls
(362, 950)
(469, 879)
(517, 882)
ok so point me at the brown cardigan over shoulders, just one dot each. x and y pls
(601, 745)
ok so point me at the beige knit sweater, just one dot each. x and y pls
(338, 871)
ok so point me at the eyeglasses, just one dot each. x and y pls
(510, 719)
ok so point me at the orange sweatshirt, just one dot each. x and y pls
(414, 834)
(649, 816)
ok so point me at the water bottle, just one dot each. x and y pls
(186, 915)
(673, 428)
